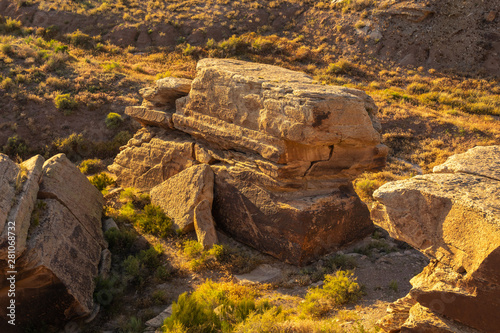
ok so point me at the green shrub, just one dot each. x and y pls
(113, 120)
(7, 83)
(341, 67)
(15, 147)
(11, 25)
(137, 268)
(110, 66)
(65, 102)
(214, 307)
(133, 325)
(120, 241)
(101, 181)
(154, 221)
(90, 166)
(78, 38)
(342, 262)
(338, 289)
(417, 88)
(105, 290)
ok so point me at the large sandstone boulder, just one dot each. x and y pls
(454, 218)
(179, 195)
(283, 149)
(279, 114)
(60, 243)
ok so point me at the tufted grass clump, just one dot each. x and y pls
(101, 181)
(90, 166)
(113, 120)
(65, 103)
(338, 289)
(200, 258)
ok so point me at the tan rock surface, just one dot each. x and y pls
(64, 182)
(152, 157)
(24, 186)
(62, 255)
(278, 113)
(179, 195)
(62, 247)
(150, 117)
(166, 91)
(204, 224)
(468, 162)
(453, 218)
(294, 226)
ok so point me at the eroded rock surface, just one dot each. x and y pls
(179, 195)
(283, 150)
(59, 240)
(454, 218)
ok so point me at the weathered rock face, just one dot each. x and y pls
(283, 151)
(204, 224)
(151, 157)
(19, 186)
(454, 218)
(179, 195)
(60, 242)
(279, 114)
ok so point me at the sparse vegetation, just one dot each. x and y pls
(338, 289)
(101, 181)
(65, 102)
(113, 120)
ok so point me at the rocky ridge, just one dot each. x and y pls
(282, 148)
(58, 240)
(453, 217)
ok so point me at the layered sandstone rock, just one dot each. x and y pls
(283, 150)
(454, 218)
(59, 241)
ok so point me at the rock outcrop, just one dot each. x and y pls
(452, 216)
(59, 240)
(283, 150)
(179, 195)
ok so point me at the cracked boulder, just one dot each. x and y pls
(60, 250)
(453, 217)
(283, 149)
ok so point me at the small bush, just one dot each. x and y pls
(113, 120)
(105, 290)
(338, 289)
(417, 88)
(90, 166)
(214, 307)
(15, 147)
(65, 102)
(120, 241)
(154, 221)
(78, 38)
(341, 67)
(133, 325)
(101, 181)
